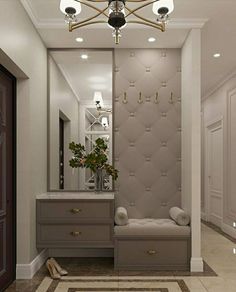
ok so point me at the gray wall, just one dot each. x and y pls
(26, 57)
(221, 104)
(148, 135)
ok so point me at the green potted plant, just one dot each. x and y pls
(96, 160)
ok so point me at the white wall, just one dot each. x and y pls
(62, 99)
(191, 140)
(222, 104)
(24, 54)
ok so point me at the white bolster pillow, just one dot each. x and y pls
(179, 216)
(121, 216)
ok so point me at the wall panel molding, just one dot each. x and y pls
(231, 155)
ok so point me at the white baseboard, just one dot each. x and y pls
(230, 230)
(27, 271)
(196, 265)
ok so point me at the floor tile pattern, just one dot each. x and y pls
(102, 284)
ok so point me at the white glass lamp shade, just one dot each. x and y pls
(70, 3)
(98, 100)
(104, 122)
(161, 4)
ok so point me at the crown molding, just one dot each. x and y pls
(55, 23)
(63, 72)
(29, 9)
(41, 23)
(219, 85)
(187, 23)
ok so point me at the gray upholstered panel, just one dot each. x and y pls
(148, 134)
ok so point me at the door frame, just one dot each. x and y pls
(61, 155)
(14, 156)
(212, 124)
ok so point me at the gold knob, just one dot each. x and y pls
(76, 233)
(75, 210)
(151, 252)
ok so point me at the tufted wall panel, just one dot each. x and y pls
(147, 131)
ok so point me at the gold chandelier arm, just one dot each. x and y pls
(151, 24)
(140, 7)
(98, 1)
(102, 11)
(90, 18)
(160, 26)
(139, 0)
(78, 25)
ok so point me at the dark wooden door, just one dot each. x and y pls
(61, 154)
(7, 178)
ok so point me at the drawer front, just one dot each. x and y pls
(151, 252)
(74, 233)
(74, 210)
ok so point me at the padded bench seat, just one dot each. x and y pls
(152, 227)
(152, 244)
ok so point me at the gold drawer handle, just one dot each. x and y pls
(75, 233)
(151, 252)
(75, 210)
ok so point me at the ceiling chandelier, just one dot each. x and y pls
(116, 13)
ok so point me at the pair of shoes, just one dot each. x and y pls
(55, 269)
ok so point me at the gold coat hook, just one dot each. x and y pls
(140, 100)
(171, 98)
(125, 98)
(157, 98)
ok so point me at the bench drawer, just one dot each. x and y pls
(162, 253)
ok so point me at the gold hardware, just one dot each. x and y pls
(157, 98)
(171, 98)
(145, 21)
(151, 252)
(75, 210)
(140, 100)
(125, 98)
(75, 233)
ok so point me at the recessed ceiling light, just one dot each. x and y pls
(216, 55)
(84, 56)
(151, 40)
(79, 40)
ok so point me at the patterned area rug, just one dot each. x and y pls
(105, 284)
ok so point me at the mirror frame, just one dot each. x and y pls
(112, 50)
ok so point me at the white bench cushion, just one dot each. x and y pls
(150, 226)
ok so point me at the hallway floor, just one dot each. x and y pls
(216, 249)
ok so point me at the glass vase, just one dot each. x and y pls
(98, 180)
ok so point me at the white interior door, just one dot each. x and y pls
(215, 173)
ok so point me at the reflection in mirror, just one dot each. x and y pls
(80, 110)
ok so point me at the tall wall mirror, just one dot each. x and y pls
(80, 110)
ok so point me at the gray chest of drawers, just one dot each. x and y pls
(75, 220)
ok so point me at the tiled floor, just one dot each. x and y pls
(217, 252)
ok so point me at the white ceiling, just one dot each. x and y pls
(218, 33)
(86, 76)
